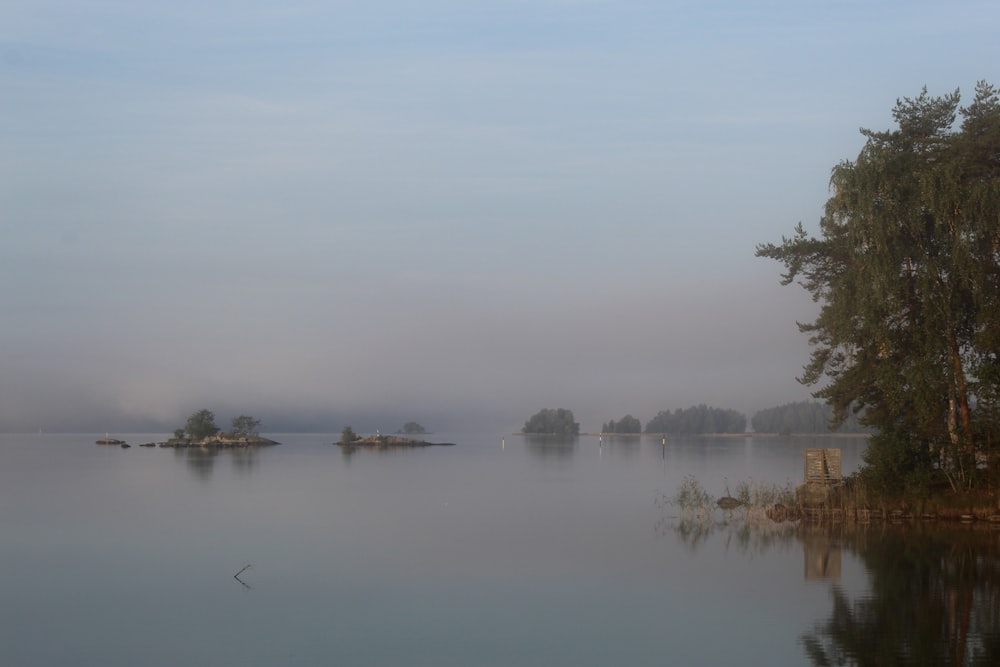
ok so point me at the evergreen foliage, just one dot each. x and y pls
(697, 420)
(907, 272)
(348, 436)
(627, 424)
(201, 425)
(552, 422)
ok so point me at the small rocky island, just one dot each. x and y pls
(349, 439)
(201, 431)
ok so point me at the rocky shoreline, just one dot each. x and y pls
(391, 442)
(216, 442)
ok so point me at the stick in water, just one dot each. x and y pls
(237, 575)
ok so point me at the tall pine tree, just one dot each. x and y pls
(907, 272)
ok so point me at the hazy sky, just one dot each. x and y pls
(457, 212)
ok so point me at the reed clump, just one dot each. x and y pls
(754, 501)
(761, 495)
(691, 498)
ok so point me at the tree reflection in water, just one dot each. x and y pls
(245, 459)
(934, 599)
(749, 533)
(551, 446)
(201, 460)
(933, 596)
(621, 446)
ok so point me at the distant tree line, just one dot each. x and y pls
(803, 417)
(552, 422)
(627, 424)
(698, 419)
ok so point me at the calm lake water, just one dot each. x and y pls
(530, 553)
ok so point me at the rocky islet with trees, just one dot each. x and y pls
(350, 440)
(552, 421)
(200, 430)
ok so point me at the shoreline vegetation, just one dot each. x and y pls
(851, 501)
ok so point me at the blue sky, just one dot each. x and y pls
(454, 212)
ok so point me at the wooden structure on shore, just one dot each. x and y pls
(822, 466)
(819, 502)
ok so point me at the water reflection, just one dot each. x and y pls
(934, 598)
(748, 537)
(551, 447)
(201, 460)
(347, 452)
(822, 553)
(621, 446)
(933, 593)
(245, 459)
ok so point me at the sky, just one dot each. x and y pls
(451, 212)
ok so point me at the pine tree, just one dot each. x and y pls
(907, 272)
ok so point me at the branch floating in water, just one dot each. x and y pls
(237, 575)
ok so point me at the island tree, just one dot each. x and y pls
(412, 428)
(245, 426)
(201, 425)
(347, 436)
(552, 422)
(906, 270)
